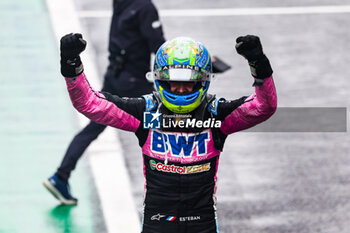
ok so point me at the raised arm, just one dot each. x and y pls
(263, 103)
(119, 113)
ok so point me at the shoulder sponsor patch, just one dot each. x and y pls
(213, 106)
(151, 104)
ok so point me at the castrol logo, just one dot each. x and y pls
(171, 168)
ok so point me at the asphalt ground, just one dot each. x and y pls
(268, 182)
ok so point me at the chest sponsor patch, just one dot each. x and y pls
(170, 168)
(180, 144)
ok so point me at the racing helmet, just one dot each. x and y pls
(182, 60)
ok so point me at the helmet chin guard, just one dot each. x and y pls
(182, 60)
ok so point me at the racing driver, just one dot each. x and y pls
(181, 129)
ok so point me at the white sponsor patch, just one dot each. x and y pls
(156, 24)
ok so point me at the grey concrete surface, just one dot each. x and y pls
(268, 182)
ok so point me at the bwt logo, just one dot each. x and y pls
(180, 145)
(151, 120)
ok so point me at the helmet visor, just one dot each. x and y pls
(182, 74)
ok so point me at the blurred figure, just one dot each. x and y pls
(135, 33)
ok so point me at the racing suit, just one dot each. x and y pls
(180, 160)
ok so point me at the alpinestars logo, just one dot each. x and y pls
(157, 217)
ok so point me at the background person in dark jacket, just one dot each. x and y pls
(135, 33)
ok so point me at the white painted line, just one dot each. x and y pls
(296, 10)
(112, 182)
(105, 154)
(257, 11)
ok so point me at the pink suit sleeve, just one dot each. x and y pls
(257, 108)
(96, 107)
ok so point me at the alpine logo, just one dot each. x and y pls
(181, 66)
(178, 169)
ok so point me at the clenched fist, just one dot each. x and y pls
(250, 48)
(71, 45)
